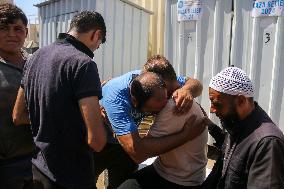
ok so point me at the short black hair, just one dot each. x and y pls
(9, 13)
(142, 87)
(89, 20)
(160, 65)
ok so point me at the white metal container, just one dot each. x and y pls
(127, 31)
(258, 48)
(226, 35)
(200, 48)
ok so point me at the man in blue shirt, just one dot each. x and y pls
(122, 154)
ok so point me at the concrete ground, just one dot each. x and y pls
(100, 183)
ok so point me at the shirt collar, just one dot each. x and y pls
(64, 37)
(25, 56)
(252, 122)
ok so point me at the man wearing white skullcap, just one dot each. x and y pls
(253, 149)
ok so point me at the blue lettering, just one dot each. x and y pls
(276, 3)
(182, 11)
(190, 16)
(199, 10)
(267, 11)
(259, 4)
(194, 10)
(262, 11)
(268, 7)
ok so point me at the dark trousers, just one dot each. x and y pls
(16, 173)
(17, 184)
(148, 178)
(43, 182)
(117, 162)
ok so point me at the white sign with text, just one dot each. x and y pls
(268, 8)
(189, 10)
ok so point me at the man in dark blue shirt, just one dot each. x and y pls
(62, 91)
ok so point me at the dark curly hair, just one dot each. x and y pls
(88, 20)
(9, 13)
(160, 65)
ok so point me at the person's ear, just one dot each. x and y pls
(134, 101)
(241, 100)
(93, 35)
(96, 34)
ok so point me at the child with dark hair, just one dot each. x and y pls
(10, 13)
(16, 143)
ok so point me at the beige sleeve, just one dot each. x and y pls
(166, 122)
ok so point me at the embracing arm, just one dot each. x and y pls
(184, 96)
(216, 132)
(194, 86)
(90, 110)
(20, 113)
(139, 149)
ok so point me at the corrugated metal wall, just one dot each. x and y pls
(127, 31)
(157, 25)
(228, 35)
(258, 47)
(199, 48)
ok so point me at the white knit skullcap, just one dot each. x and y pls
(232, 81)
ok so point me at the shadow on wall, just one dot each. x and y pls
(279, 98)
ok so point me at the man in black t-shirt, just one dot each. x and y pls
(62, 89)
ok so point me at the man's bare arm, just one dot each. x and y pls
(20, 113)
(194, 86)
(184, 96)
(90, 110)
(139, 149)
